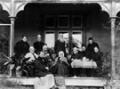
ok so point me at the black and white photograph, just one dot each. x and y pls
(59, 44)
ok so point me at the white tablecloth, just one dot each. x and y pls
(83, 64)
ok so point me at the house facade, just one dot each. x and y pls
(82, 18)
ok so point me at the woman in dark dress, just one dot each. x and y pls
(45, 56)
(76, 55)
(43, 63)
(97, 57)
(40, 69)
(21, 47)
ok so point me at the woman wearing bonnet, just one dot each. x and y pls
(61, 65)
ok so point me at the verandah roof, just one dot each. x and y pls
(56, 0)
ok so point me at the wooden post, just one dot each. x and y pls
(113, 46)
(12, 19)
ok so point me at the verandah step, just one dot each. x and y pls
(69, 82)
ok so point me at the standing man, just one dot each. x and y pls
(21, 47)
(90, 48)
(38, 44)
(60, 44)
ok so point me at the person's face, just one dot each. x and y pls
(24, 39)
(45, 48)
(75, 50)
(61, 54)
(39, 38)
(90, 41)
(60, 37)
(83, 48)
(96, 49)
(32, 50)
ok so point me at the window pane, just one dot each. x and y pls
(77, 38)
(76, 21)
(50, 21)
(50, 39)
(63, 21)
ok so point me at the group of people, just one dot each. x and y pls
(39, 60)
(87, 60)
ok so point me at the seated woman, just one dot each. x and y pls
(61, 65)
(42, 64)
(45, 56)
(40, 69)
(74, 57)
(28, 64)
(75, 54)
(97, 57)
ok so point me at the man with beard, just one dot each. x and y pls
(60, 44)
(38, 44)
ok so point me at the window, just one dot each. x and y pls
(63, 21)
(77, 38)
(50, 39)
(50, 21)
(76, 21)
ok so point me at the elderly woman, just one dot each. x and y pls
(28, 64)
(75, 57)
(75, 54)
(31, 54)
(42, 64)
(61, 65)
(45, 56)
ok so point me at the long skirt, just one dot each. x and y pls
(60, 69)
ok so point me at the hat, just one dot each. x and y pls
(90, 38)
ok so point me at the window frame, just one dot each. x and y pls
(68, 21)
(72, 24)
(45, 21)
